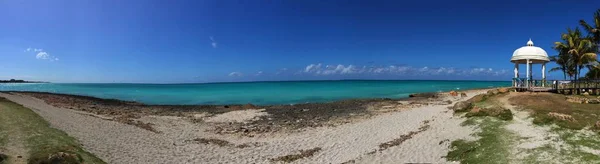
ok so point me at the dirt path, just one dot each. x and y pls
(529, 136)
(15, 146)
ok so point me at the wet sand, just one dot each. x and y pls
(336, 132)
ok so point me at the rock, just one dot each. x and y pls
(249, 106)
(575, 99)
(453, 93)
(424, 95)
(59, 157)
(461, 106)
(597, 125)
(475, 109)
(463, 94)
(585, 93)
(503, 90)
(492, 92)
(478, 98)
(593, 101)
(448, 102)
(560, 116)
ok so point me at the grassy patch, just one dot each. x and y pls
(541, 104)
(45, 144)
(3, 140)
(488, 105)
(302, 154)
(493, 146)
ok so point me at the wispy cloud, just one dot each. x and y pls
(235, 74)
(41, 54)
(322, 70)
(213, 43)
(280, 71)
(340, 70)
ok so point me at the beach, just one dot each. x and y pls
(417, 130)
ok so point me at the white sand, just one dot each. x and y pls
(120, 143)
(238, 116)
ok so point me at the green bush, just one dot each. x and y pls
(56, 157)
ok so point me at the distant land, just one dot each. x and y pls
(20, 81)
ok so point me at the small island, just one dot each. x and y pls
(20, 81)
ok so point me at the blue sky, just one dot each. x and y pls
(146, 41)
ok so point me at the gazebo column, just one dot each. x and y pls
(516, 74)
(543, 74)
(528, 69)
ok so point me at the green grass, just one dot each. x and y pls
(585, 115)
(493, 146)
(39, 138)
(490, 106)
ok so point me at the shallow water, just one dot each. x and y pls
(261, 93)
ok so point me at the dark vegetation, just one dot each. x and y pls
(3, 158)
(302, 154)
(404, 137)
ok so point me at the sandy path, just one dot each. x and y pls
(529, 136)
(120, 143)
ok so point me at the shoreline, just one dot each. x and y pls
(268, 105)
(341, 131)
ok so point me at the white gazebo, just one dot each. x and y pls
(529, 55)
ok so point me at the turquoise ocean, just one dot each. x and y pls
(260, 93)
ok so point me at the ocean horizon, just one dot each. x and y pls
(254, 92)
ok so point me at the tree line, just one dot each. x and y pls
(578, 50)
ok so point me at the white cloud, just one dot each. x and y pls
(259, 73)
(235, 74)
(313, 68)
(41, 54)
(213, 43)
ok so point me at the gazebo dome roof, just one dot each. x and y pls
(533, 53)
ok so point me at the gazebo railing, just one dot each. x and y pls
(570, 86)
(524, 83)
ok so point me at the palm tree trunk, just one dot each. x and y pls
(575, 84)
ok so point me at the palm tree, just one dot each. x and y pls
(594, 71)
(563, 60)
(580, 50)
(593, 30)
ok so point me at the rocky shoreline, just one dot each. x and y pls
(360, 131)
(276, 118)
